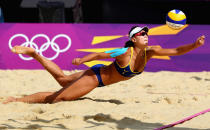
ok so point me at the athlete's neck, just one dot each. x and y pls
(139, 50)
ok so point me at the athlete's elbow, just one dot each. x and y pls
(179, 51)
(97, 56)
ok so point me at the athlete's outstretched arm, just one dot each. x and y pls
(179, 50)
(90, 57)
(102, 55)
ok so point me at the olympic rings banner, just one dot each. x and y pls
(63, 42)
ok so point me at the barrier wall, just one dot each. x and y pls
(1, 16)
(63, 42)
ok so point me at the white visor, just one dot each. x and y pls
(136, 30)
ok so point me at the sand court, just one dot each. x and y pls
(147, 101)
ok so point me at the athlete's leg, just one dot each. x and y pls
(50, 66)
(79, 88)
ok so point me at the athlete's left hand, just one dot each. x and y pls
(200, 41)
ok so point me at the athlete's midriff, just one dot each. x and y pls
(110, 75)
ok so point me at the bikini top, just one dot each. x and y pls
(125, 71)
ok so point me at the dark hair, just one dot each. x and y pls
(130, 43)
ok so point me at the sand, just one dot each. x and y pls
(145, 102)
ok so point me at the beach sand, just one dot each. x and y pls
(145, 102)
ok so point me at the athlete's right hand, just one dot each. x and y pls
(76, 61)
(200, 41)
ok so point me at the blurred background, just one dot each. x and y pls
(101, 11)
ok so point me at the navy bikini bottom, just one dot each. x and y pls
(96, 70)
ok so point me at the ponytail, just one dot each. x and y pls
(129, 44)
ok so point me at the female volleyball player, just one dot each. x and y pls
(129, 61)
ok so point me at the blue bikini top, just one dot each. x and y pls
(125, 70)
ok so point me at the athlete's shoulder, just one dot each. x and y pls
(153, 48)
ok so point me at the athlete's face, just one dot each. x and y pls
(140, 39)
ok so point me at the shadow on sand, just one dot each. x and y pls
(99, 119)
(30, 126)
(127, 123)
(117, 102)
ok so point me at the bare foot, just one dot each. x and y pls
(23, 50)
(10, 99)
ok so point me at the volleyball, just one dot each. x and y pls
(176, 19)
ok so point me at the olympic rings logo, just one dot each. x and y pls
(44, 46)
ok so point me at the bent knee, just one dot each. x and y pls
(62, 80)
